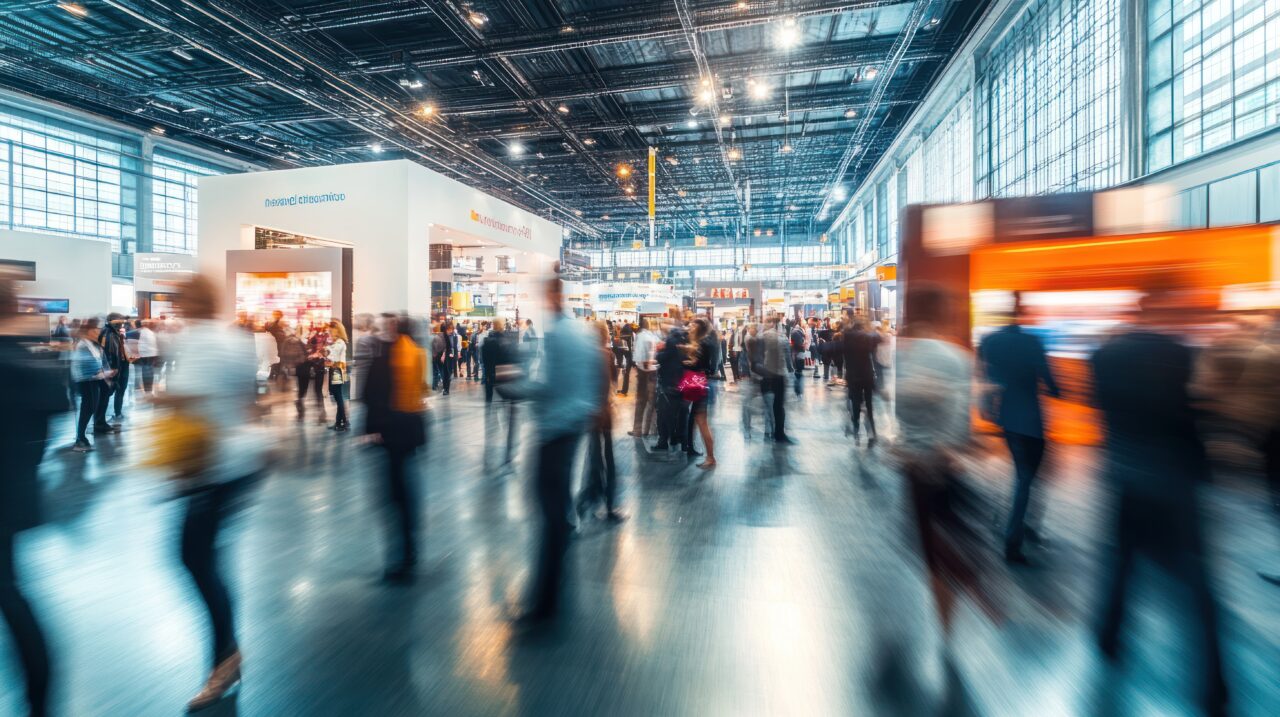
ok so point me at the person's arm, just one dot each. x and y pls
(1046, 373)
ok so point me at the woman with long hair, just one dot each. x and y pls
(701, 350)
(337, 373)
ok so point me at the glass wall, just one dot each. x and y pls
(62, 179)
(756, 256)
(1052, 94)
(173, 201)
(1213, 75)
(947, 157)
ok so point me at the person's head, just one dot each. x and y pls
(448, 327)
(698, 328)
(404, 327)
(90, 329)
(528, 323)
(277, 315)
(499, 325)
(603, 330)
(337, 330)
(860, 325)
(198, 298)
(1019, 310)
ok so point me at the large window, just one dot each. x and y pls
(1051, 89)
(63, 179)
(1213, 75)
(173, 202)
(947, 157)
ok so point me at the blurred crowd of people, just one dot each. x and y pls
(1157, 397)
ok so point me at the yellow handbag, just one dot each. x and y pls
(180, 444)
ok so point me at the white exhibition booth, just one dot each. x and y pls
(62, 275)
(388, 215)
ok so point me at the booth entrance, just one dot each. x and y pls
(309, 283)
(475, 277)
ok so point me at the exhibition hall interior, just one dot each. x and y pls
(657, 357)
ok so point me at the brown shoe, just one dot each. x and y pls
(224, 677)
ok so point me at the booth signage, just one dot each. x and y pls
(152, 265)
(522, 232)
(293, 200)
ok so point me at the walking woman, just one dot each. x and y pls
(338, 377)
(601, 476)
(702, 349)
(90, 373)
(213, 393)
(395, 399)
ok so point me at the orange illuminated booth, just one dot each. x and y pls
(1077, 290)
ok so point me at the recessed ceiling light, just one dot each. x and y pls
(735, 153)
(702, 222)
(725, 120)
(742, 6)
(757, 232)
(563, 109)
(567, 28)
(158, 129)
(376, 148)
(74, 8)
(933, 21)
(624, 170)
(681, 192)
(478, 19)
(787, 35)
(588, 141)
(691, 124)
(630, 190)
(850, 114)
(768, 232)
(415, 85)
(604, 216)
(871, 73)
(707, 96)
(515, 149)
(759, 90)
(673, 160)
(786, 148)
(428, 110)
(577, 212)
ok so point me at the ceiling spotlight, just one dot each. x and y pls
(563, 109)
(681, 193)
(158, 129)
(850, 114)
(604, 216)
(588, 141)
(707, 96)
(376, 148)
(182, 53)
(74, 8)
(734, 153)
(759, 90)
(702, 222)
(629, 190)
(415, 84)
(515, 149)
(478, 19)
(871, 73)
(577, 212)
(567, 29)
(792, 208)
(624, 170)
(428, 110)
(837, 193)
(786, 148)
(768, 232)
(725, 120)
(933, 21)
(691, 124)
(742, 6)
(787, 34)
(673, 160)
(757, 232)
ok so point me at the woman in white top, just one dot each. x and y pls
(337, 363)
(148, 350)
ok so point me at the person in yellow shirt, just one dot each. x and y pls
(395, 418)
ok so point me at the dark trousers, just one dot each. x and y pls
(467, 355)
(206, 512)
(402, 505)
(667, 408)
(106, 389)
(622, 362)
(147, 367)
(449, 369)
(309, 377)
(1027, 452)
(733, 365)
(859, 397)
(28, 639)
(1166, 528)
(555, 461)
(338, 391)
(775, 388)
(489, 379)
(89, 391)
(119, 385)
(1271, 463)
(601, 476)
(799, 373)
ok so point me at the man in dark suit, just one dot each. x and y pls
(1155, 461)
(860, 376)
(1016, 364)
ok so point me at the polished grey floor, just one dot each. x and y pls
(785, 582)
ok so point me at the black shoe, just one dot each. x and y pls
(340, 428)
(692, 452)
(785, 440)
(1014, 556)
(399, 574)
(85, 447)
(105, 428)
(662, 447)
(871, 442)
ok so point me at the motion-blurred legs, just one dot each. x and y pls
(555, 469)
(1027, 452)
(29, 641)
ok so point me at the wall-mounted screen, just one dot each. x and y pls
(304, 297)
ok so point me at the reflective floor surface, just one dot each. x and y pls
(785, 582)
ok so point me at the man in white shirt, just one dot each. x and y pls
(643, 353)
(148, 350)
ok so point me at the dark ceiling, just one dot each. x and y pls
(766, 105)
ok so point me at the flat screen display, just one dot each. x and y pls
(304, 297)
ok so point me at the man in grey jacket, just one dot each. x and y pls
(775, 366)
